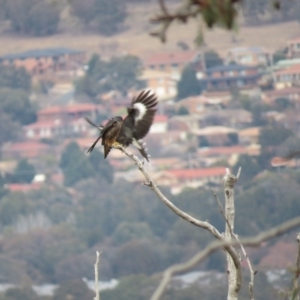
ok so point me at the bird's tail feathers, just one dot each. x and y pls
(94, 144)
(106, 150)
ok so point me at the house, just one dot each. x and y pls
(178, 179)
(248, 56)
(71, 112)
(249, 136)
(283, 162)
(56, 129)
(160, 124)
(40, 61)
(28, 149)
(290, 93)
(199, 104)
(286, 63)
(230, 154)
(216, 136)
(184, 123)
(287, 77)
(235, 118)
(293, 48)
(62, 121)
(163, 84)
(23, 187)
(226, 77)
(172, 62)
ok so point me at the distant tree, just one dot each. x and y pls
(105, 16)
(188, 85)
(24, 293)
(136, 257)
(75, 165)
(101, 166)
(279, 55)
(34, 17)
(15, 78)
(24, 172)
(203, 142)
(274, 135)
(75, 290)
(12, 206)
(9, 129)
(249, 166)
(283, 104)
(120, 73)
(233, 138)
(182, 110)
(17, 105)
(212, 59)
(128, 231)
(44, 17)
(124, 72)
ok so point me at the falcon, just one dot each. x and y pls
(119, 132)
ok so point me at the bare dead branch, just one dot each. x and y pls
(96, 267)
(205, 225)
(252, 273)
(221, 210)
(234, 273)
(251, 242)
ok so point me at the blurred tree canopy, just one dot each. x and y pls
(33, 17)
(76, 165)
(188, 85)
(15, 78)
(104, 16)
(24, 172)
(212, 59)
(120, 73)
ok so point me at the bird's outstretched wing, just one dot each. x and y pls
(141, 114)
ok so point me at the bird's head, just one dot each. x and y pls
(117, 120)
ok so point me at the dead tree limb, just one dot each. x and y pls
(96, 268)
(213, 246)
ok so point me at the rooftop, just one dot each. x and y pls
(215, 130)
(229, 67)
(251, 131)
(37, 53)
(197, 173)
(253, 49)
(178, 57)
(72, 108)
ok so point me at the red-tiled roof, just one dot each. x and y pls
(43, 124)
(22, 187)
(25, 146)
(160, 119)
(295, 69)
(197, 173)
(72, 108)
(179, 57)
(295, 40)
(284, 91)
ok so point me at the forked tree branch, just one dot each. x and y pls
(205, 225)
(213, 246)
(220, 243)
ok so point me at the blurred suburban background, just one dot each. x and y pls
(234, 101)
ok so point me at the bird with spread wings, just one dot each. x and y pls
(119, 132)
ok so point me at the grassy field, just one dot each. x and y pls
(136, 39)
